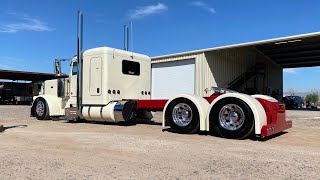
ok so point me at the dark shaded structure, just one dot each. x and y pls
(22, 92)
(29, 76)
(293, 52)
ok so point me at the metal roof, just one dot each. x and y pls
(28, 76)
(290, 52)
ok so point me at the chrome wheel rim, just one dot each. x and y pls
(182, 114)
(231, 117)
(40, 108)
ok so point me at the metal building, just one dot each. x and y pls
(252, 68)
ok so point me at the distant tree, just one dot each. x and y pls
(313, 97)
(291, 92)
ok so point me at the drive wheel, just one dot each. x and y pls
(41, 110)
(182, 116)
(232, 118)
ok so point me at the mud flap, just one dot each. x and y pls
(32, 111)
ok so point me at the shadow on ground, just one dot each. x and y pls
(303, 109)
(4, 128)
(15, 104)
(211, 133)
(269, 137)
(127, 123)
(150, 122)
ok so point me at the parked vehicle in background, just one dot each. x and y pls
(293, 101)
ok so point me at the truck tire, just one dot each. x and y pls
(41, 109)
(232, 118)
(182, 116)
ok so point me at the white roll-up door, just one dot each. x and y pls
(172, 78)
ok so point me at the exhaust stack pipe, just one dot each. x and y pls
(126, 38)
(80, 63)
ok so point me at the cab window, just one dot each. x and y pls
(75, 68)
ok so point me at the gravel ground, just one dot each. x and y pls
(31, 149)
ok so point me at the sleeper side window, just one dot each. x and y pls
(131, 68)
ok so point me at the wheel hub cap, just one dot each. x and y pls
(182, 114)
(40, 108)
(231, 117)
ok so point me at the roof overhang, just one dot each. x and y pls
(289, 52)
(29, 76)
(299, 51)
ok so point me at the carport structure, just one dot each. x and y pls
(253, 67)
(293, 52)
(23, 91)
(28, 76)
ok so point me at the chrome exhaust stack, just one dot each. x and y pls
(80, 63)
(126, 38)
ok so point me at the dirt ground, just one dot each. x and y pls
(31, 149)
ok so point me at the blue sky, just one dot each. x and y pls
(34, 32)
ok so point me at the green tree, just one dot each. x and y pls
(313, 97)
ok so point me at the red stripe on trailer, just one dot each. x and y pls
(152, 105)
(158, 104)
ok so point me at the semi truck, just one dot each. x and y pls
(112, 85)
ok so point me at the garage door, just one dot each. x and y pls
(172, 78)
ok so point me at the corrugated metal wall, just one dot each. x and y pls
(226, 65)
(275, 79)
(218, 68)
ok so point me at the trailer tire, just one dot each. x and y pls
(41, 109)
(182, 116)
(232, 118)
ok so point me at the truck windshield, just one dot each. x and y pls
(75, 68)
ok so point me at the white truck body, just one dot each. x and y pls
(110, 75)
(114, 85)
